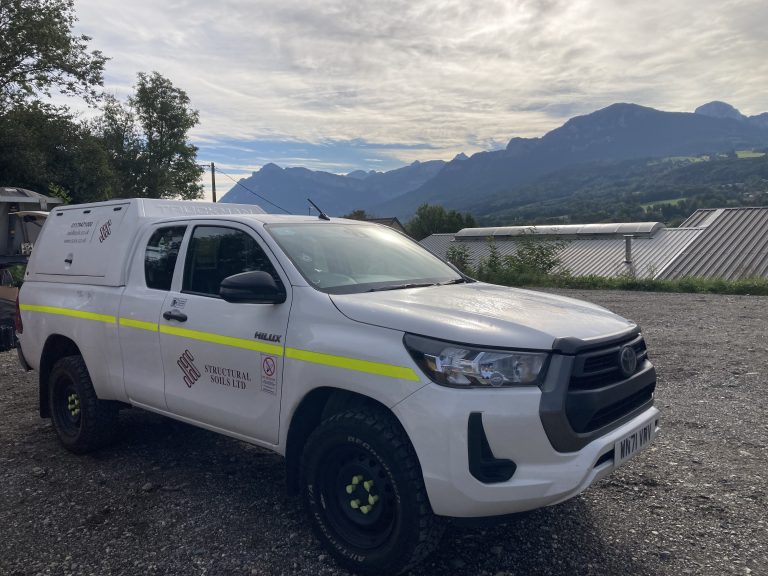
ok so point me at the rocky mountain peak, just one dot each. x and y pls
(270, 168)
(718, 109)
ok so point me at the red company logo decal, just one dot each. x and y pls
(105, 230)
(190, 371)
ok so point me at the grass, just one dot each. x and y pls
(706, 157)
(673, 159)
(668, 202)
(749, 154)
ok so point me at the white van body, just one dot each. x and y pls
(250, 370)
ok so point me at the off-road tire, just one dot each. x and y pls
(82, 421)
(406, 531)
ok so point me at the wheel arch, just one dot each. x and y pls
(55, 348)
(316, 406)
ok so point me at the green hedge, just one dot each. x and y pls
(751, 286)
(536, 260)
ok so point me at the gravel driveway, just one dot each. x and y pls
(172, 499)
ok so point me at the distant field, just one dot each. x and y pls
(669, 202)
(706, 157)
(675, 159)
(749, 154)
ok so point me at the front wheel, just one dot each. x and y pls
(363, 489)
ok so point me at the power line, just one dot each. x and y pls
(251, 191)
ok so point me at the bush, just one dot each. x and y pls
(537, 256)
(536, 263)
(17, 272)
(458, 255)
(535, 260)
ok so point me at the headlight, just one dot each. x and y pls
(462, 366)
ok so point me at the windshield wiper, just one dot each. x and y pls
(454, 281)
(402, 286)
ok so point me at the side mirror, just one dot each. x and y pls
(252, 288)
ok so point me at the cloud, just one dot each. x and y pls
(430, 78)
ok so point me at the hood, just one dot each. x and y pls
(483, 314)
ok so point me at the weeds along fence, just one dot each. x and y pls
(537, 263)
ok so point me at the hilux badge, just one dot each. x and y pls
(628, 361)
(268, 337)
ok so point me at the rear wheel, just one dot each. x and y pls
(363, 489)
(82, 421)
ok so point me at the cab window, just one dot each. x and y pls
(215, 253)
(161, 255)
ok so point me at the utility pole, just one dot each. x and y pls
(213, 180)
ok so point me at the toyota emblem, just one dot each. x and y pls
(628, 361)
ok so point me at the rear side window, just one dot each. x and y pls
(160, 257)
(215, 253)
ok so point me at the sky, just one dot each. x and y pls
(341, 85)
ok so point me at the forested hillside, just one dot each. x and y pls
(665, 190)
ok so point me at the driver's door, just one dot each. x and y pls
(223, 361)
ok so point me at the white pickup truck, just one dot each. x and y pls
(399, 391)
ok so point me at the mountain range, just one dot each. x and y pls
(617, 133)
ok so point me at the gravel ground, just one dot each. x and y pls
(172, 499)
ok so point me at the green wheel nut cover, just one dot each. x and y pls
(356, 504)
(73, 404)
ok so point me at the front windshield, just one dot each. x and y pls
(350, 258)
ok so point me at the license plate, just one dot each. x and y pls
(633, 442)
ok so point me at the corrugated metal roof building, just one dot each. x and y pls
(730, 243)
(733, 245)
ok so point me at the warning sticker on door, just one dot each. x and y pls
(269, 368)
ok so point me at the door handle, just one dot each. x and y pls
(175, 315)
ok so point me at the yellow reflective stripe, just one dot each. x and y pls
(377, 368)
(139, 324)
(68, 312)
(223, 340)
(352, 364)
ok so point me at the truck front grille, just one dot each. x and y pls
(599, 393)
(599, 368)
(593, 394)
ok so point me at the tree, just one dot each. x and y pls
(44, 149)
(435, 219)
(358, 214)
(118, 134)
(40, 53)
(147, 141)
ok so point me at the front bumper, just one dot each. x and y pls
(435, 419)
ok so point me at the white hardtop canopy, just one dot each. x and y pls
(91, 243)
(153, 210)
(156, 209)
